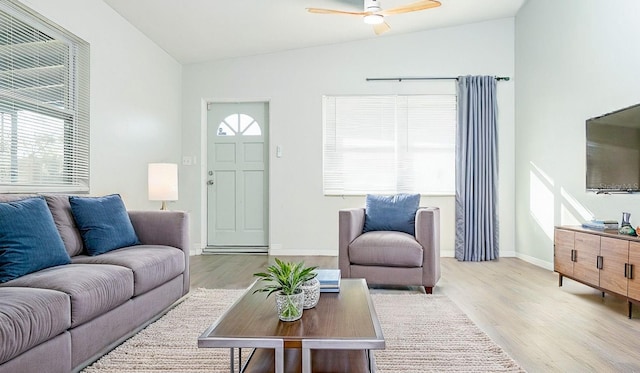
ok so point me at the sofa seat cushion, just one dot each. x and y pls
(152, 265)
(29, 317)
(93, 288)
(386, 248)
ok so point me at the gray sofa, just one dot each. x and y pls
(390, 257)
(62, 318)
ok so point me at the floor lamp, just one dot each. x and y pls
(163, 183)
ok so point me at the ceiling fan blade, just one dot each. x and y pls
(418, 5)
(381, 28)
(331, 11)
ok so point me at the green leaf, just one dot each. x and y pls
(285, 276)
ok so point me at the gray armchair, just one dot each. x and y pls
(389, 257)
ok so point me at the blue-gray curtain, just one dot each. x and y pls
(477, 169)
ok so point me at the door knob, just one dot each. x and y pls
(209, 182)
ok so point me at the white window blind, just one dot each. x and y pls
(44, 104)
(389, 144)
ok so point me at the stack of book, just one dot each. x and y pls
(601, 224)
(329, 280)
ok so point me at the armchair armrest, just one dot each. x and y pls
(428, 236)
(350, 224)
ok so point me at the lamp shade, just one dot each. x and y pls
(163, 182)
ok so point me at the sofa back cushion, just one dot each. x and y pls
(29, 240)
(10, 197)
(103, 222)
(62, 216)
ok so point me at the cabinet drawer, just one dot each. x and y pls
(585, 266)
(563, 246)
(634, 261)
(615, 255)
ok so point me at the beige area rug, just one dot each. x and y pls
(428, 333)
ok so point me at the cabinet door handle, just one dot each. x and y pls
(599, 261)
(573, 255)
(628, 271)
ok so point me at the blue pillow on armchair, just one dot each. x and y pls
(391, 213)
(29, 239)
(103, 222)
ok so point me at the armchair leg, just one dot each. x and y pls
(428, 289)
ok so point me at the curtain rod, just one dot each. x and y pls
(505, 78)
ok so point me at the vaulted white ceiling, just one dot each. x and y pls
(202, 30)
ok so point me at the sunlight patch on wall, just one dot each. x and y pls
(541, 200)
(573, 212)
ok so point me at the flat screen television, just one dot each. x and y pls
(613, 151)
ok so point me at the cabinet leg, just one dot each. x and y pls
(559, 280)
(630, 308)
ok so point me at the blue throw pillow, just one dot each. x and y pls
(29, 239)
(103, 222)
(391, 213)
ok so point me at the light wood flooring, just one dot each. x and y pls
(545, 328)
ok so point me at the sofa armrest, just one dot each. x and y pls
(428, 236)
(168, 228)
(350, 224)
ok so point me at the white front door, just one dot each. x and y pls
(237, 161)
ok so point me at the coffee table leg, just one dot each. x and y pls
(233, 369)
(372, 361)
(306, 359)
(279, 357)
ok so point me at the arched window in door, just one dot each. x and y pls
(240, 125)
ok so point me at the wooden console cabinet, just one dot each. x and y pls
(603, 260)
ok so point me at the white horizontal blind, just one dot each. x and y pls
(389, 144)
(44, 104)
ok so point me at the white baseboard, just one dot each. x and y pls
(279, 251)
(452, 254)
(535, 261)
(447, 254)
(508, 254)
(196, 249)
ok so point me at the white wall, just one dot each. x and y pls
(575, 59)
(135, 98)
(302, 220)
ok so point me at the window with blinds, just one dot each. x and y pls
(389, 144)
(44, 104)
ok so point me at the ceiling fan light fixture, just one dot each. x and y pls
(374, 19)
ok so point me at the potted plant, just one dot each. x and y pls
(285, 279)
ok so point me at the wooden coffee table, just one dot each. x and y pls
(335, 336)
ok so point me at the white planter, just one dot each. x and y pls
(311, 291)
(290, 307)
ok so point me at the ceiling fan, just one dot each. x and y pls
(374, 15)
